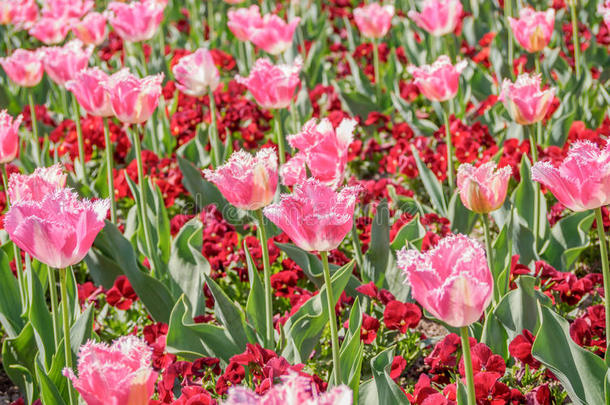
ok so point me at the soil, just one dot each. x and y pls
(8, 391)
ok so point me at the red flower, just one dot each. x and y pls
(400, 316)
(194, 395)
(484, 360)
(398, 365)
(121, 295)
(521, 349)
(540, 395)
(368, 330)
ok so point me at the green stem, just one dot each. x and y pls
(79, 136)
(468, 365)
(296, 124)
(210, 12)
(575, 39)
(490, 259)
(508, 5)
(332, 319)
(357, 247)
(54, 305)
(34, 127)
(213, 133)
(267, 276)
(143, 56)
(449, 151)
(63, 283)
(376, 67)
(110, 170)
(281, 148)
(603, 249)
(534, 150)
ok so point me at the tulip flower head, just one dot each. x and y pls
(90, 93)
(582, 180)
(244, 21)
(452, 281)
(67, 9)
(483, 189)
(23, 67)
(374, 20)
(604, 10)
(34, 187)
(137, 21)
(50, 30)
(439, 81)
(63, 63)
(92, 29)
(274, 35)
(20, 13)
(133, 100)
(524, 100)
(196, 73)
(9, 137)
(533, 29)
(438, 17)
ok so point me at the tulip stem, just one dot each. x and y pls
(63, 283)
(376, 66)
(34, 127)
(603, 249)
(79, 136)
(54, 304)
(143, 56)
(281, 148)
(468, 365)
(490, 258)
(575, 40)
(449, 150)
(534, 151)
(262, 235)
(508, 5)
(210, 12)
(332, 319)
(213, 132)
(110, 170)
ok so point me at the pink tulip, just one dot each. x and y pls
(36, 186)
(92, 29)
(604, 10)
(439, 81)
(63, 63)
(90, 93)
(524, 100)
(7, 12)
(243, 21)
(274, 35)
(119, 374)
(196, 73)
(323, 149)
(23, 13)
(582, 180)
(50, 30)
(59, 230)
(533, 29)
(374, 20)
(272, 85)
(314, 216)
(137, 21)
(9, 137)
(248, 182)
(23, 67)
(66, 9)
(233, 1)
(451, 281)
(483, 189)
(438, 17)
(133, 100)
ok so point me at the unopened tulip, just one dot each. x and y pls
(374, 20)
(50, 30)
(524, 100)
(274, 35)
(92, 29)
(248, 182)
(439, 81)
(196, 74)
(272, 85)
(9, 137)
(136, 21)
(243, 21)
(63, 63)
(36, 186)
(533, 29)
(117, 374)
(133, 100)
(483, 189)
(90, 93)
(451, 281)
(438, 17)
(23, 67)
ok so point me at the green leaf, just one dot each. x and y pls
(569, 237)
(502, 259)
(494, 335)
(41, 321)
(412, 233)
(255, 306)
(10, 301)
(18, 356)
(352, 351)
(378, 254)
(382, 389)
(49, 393)
(462, 219)
(433, 187)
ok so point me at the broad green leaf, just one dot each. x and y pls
(382, 389)
(255, 306)
(48, 391)
(10, 301)
(18, 356)
(462, 219)
(378, 254)
(352, 351)
(412, 232)
(569, 237)
(433, 187)
(42, 322)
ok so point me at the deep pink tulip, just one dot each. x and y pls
(323, 149)
(294, 171)
(68, 9)
(533, 29)
(20, 13)
(196, 73)
(604, 10)
(23, 67)
(439, 81)
(582, 180)
(374, 20)
(483, 189)
(451, 281)
(274, 35)
(63, 63)
(50, 30)
(314, 216)
(137, 21)
(7, 12)
(59, 230)
(248, 182)
(119, 374)
(92, 29)
(272, 85)
(243, 21)
(524, 100)
(90, 93)
(133, 100)
(438, 17)
(9, 137)
(36, 186)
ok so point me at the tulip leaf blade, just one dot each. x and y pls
(433, 187)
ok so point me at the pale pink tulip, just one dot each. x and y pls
(248, 182)
(451, 281)
(57, 231)
(90, 93)
(119, 374)
(314, 216)
(604, 10)
(36, 186)
(274, 35)
(9, 137)
(196, 73)
(438, 17)
(243, 21)
(137, 21)
(7, 12)
(272, 85)
(133, 100)
(374, 20)
(439, 81)
(23, 67)
(524, 100)
(582, 180)
(92, 29)
(66, 9)
(63, 63)
(50, 30)
(533, 29)
(483, 189)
